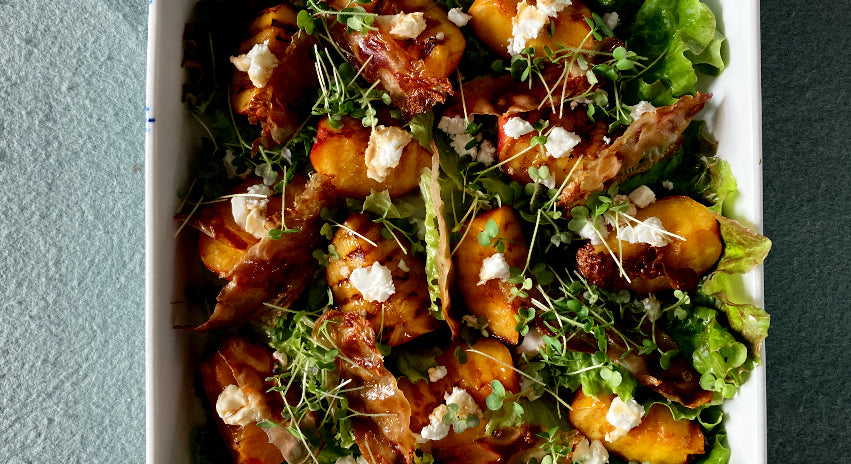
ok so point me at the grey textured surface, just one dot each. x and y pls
(807, 168)
(71, 233)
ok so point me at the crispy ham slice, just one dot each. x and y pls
(275, 271)
(241, 363)
(382, 413)
(653, 136)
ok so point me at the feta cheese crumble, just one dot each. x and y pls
(458, 17)
(635, 111)
(494, 267)
(375, 282)
(595, 236)
(235, 409)
(436, 429)
(280, 357)
(525, 26)
(611, 19)
(642, 196)
(552, 8)
(403, 266)
(250, 213)
(384, 150)
(259, 63)
(456, 128)
(406, 25)
(466, 403)
(587, 452)
(648, 231)
(624, 415)
(516, 127)
(351, 460)
(668, 184)
(561, 142)
(436, 373)
(532, 343)
(651, 307)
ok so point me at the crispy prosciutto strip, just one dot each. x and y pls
(275, 270)
(651, 137)
(413, 71)
(241, 364)
(382, 413)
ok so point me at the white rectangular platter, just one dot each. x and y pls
(734, 118)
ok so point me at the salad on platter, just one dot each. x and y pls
(463, 231)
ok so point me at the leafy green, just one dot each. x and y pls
(715, 353)
(432, 241)
(421, 128)
(414, 364)
(678, 35)
(595, 374)
(744, 249)
(720, 453)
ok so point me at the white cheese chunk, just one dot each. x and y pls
(595, 236)
(635, 111)
(624, 415)
(549, 182)
(668, 184)
(648, 231)
(259, 63)
(561, 142)
(516, 127)
(651, 307)
(384, 150)
(456, 128)
(374, 283)
(486, 152)
(280, 357)
(642, 196)
(235, 409)
(467, 405)
(250, 213)
(589, 453)
(532, 343)
(494, 267)
(458, 17)
(351, 460)
(525, 26)
(406, 25)
(403, 266)
(552, 8)
(436, 373)
(436, 429)
(611, 19)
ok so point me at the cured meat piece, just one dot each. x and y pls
(413, 71)
(279, 270)
(242, 365)
(653, 136)
(382, 414)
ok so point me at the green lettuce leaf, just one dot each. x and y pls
(676, 35)
(744, 249)
(719, 453)
(415, 364)
(716, 354)
(432, 241)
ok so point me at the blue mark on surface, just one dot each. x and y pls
(149, 120)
